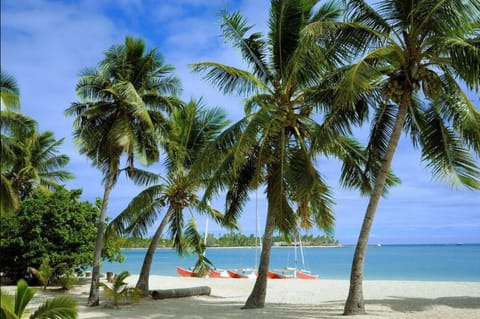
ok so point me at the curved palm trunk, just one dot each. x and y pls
(142, 282)
(355, 303)
(94, 298)
(259, 292)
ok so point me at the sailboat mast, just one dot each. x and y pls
(301, 250)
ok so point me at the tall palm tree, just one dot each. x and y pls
(278, 141)
(190, 128)
(412, 57)
(121, 108)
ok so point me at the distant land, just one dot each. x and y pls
(236, 239)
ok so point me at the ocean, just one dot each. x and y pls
(387, 262)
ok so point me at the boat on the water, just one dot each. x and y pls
(186, 273)
(218, 274)
(242, 273)
(212, 273)
(279, 275)
(304, 274)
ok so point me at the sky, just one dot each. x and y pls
(45, 44)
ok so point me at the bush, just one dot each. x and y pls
(58, 226)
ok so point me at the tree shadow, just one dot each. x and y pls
(403, 304)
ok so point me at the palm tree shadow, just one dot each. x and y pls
(403, 304)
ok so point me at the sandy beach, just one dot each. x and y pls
(289, 299)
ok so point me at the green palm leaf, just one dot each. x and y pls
(445, 154)
(55, 308)
(229, 79)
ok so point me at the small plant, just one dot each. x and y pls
(119, 290)
(67, 279)
(13, 306)
(45, 272)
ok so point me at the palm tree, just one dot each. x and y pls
(190, 129)
(278, 141)
(120, 111)
(55, 308)
(415, 53)
(10, 120)
(36, 162)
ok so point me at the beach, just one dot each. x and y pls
(289, 299)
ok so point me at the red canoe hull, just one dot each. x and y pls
(302, 275)
(275, 275)
(186, 273)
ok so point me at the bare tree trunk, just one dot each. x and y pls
(259, 292)
(94, 297)
(355, 304)
(142, 282)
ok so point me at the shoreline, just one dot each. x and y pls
(321, 298)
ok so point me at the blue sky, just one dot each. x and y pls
(45, 44)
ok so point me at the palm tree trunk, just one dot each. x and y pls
(142, 282)
(94, 297)
(259, 292)
(355, 304)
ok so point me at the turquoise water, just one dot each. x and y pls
(388, 262)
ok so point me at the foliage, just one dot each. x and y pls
(411, 61)
(66, 279)
(286, 127)
(45, 272)
(119, 290)
(120, 114)
(13, 307)
(10, 121)
(9, 92)
(57, 226)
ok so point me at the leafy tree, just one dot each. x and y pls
(14, 307)
(56, 226)
(278, 141)
(190, 128)
(120, 114)
(410, 60)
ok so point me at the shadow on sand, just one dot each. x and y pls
(402, 304)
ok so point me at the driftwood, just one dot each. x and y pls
(181, 292)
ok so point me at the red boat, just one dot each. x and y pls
(241, 274)
(186, 273)
(304, 275)
(218, 274)
(276, 275)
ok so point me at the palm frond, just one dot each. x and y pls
(59, 307)
(140, 214)
(9, 92)
(457, 108)
(253, 48)
(445, 154)
(230, 79)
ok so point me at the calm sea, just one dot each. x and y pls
(387, 262)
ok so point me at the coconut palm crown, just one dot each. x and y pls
(277, 144)
(413, 61)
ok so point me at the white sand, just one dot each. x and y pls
(292, 299)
